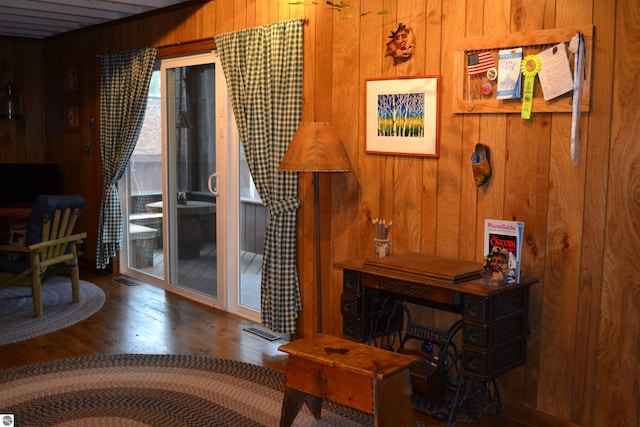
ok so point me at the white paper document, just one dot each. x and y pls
(555, 72)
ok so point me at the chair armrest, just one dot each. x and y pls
(14, 248)
(74, 238)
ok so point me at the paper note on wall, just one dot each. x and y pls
(555, 73)
(509, 73)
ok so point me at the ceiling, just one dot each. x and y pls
(39, 19)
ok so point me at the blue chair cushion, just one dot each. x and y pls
(46, 204)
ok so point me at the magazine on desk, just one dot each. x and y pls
(503, 251)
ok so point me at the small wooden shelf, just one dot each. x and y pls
(531, 42)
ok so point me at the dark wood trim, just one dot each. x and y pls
(177, 49)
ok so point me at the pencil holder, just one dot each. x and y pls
(381, 248)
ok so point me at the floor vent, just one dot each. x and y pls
(261, 333)
(127, 282)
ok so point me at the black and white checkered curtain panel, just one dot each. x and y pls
(263, 69)
(124, 86)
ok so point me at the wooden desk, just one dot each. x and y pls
(493, 325)
(494, 318)
(190, 231)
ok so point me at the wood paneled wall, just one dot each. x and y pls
(21, 64)
(582, 228)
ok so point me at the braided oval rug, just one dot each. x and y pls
(16, 308)
(154, 390)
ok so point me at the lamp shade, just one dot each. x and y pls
(315, 148)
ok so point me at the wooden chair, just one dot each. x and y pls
(50, 246)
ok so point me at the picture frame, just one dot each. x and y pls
(402, 116)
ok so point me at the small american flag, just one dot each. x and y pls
(479, 62)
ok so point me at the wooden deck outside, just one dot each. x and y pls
(200, 273)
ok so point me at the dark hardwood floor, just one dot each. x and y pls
(145, 319)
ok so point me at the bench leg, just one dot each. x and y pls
(393, 401)
(292, 403)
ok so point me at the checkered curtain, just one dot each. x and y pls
(263, 69)
(124, 86)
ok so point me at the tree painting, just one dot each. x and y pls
(401, 114)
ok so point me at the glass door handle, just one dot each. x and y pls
(212, 189)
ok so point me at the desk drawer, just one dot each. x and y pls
(351, 282)
(484, 309)
(415, 290)
(484, 336)
(486, 365)
(369, 316)
(371, 301)
(350, 305)
(352, 328)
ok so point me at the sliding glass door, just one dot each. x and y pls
(196, 223)
(191, 157)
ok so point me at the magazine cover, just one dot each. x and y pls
(503, 250)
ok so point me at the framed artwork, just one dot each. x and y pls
(402, 116)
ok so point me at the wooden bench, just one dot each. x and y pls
(356, 375)
(143, 242)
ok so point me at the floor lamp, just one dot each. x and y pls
(316, 148)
